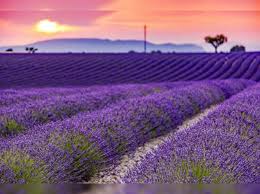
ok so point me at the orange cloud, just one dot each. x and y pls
(191, 5)
(23, 5)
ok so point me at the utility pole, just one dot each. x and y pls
(145, 37)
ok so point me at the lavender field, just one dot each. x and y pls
(130, 118)
(22, 70)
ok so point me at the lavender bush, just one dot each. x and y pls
(223, 148)
(24, 115)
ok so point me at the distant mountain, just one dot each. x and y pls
(103, 46)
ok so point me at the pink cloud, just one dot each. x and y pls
(67, 17)
(141, 5)
(52, 4)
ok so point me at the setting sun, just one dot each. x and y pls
(51, 27)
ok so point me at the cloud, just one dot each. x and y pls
(70, 17)
(53, 4)
(191, 5)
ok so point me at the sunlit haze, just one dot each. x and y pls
(185, 21)
(51, 27)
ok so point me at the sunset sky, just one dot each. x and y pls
(176, 21)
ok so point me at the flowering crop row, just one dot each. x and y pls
(222, 148)
(26, 114)
(14, 96)
(74, 149)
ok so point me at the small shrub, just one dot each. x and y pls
(84, 154)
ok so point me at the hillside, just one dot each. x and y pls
(90, 69)
(103, 46)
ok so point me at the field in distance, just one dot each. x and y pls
(90, 69)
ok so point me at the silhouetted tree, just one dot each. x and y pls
(31, 49)
(131, 52)
(34, 50)
(9, 50)
(156, 52)
(238, 48)
(216, 41)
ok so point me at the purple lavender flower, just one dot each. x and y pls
(222, 148)
(24, 115)
(74, 149)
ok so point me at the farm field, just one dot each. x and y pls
(98, 69)
(130, 118)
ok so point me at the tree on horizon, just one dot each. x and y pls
(238, 48)
(31, 49)
(216, 41)
(9, 50)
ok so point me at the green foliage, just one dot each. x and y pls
(78, 146)
(23, 166)
(11, 127)
(199, 172)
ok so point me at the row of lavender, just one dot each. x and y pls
(24, 109)
(90, 69)
(222, 148)
(74, 149)
(14, 96)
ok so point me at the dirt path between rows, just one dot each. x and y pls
(114, 174)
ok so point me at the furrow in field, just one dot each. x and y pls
(114, 174)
